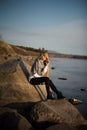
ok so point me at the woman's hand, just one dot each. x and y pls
(46, 62)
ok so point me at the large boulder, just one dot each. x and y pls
(11, 120)
(44, 114)
(14, 83)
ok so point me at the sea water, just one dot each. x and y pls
(70, 77)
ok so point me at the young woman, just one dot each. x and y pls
(39, 74)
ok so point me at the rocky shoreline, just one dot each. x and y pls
(25, 107)
(27, 110)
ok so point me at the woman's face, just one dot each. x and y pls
(43, 57)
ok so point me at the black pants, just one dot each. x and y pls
(48, 83)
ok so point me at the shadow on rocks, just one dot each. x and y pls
(24, 109)
(10, 119)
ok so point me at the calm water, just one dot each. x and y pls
(75, 71)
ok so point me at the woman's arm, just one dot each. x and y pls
(45, 71)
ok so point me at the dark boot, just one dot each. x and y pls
(59, 95)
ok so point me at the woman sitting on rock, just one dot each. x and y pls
(39, 75)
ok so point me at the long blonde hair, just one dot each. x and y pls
(47, 61)
(45, 54)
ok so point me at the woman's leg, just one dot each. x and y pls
(39, 80)
(59, 94)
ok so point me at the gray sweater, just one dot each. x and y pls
(38, 69)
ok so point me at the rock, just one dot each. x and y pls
(82, 126)
(82, 89)
(61, 127)
(22, 107)
(8, 67)
(62, 78)
(11, 120)
(15, 87)
(52, 68)
(44, 114)
(75, 101)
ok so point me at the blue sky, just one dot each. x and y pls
(59, 25)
